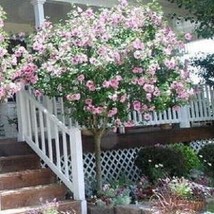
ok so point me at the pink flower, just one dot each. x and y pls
(81, 77)
(123, 98)
(89, 83)
(88, 101)
(137, 44)
(73, 97)
(99, 110)
(129, 123)
(170, 64)
(1, 38)
(147, 116)
(37, 93)
(118, 78)
(2, 93)
(92, 88)
(106, 84)
(141, 81)
(136, 105)
(112, 112)
(93, 61)
(1, 23)
(188, 36)
(2, 52)
(176, 108)
(148, 88)
(137, 70)
(114, 83)
(156, 93)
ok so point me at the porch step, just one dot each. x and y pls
(31, 196)
(10, 147)
(63, 206)
(19, 163)
(14, 180)
(24, 185)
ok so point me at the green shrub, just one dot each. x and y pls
(160, 161)
(207, 157)
(191, 158)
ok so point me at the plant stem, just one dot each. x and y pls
(97, 149)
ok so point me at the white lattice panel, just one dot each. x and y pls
(115, 164)
(198, 144)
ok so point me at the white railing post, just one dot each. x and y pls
(38, 12)
(77, 167)
(22, 116)
(49, 105)
(184, 117)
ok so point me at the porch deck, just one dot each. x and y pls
(137, 137)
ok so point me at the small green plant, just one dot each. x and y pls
(180, 187)
(112, 195)
(191, 159)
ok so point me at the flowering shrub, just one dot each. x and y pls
(107, 63)
(16, 68)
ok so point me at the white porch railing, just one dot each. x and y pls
(199, 109)
(52, 140)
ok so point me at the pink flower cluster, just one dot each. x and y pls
(113, 83)
(15, 69)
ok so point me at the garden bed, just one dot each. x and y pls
(143, 208)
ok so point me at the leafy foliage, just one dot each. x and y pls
(190, 157)
(207, 157)
(162, 161)
(159, 162)
(205, 64)
(202, 13)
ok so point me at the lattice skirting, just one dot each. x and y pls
(118, 163)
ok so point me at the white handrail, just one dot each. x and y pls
(199, 109)
(52, 140)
